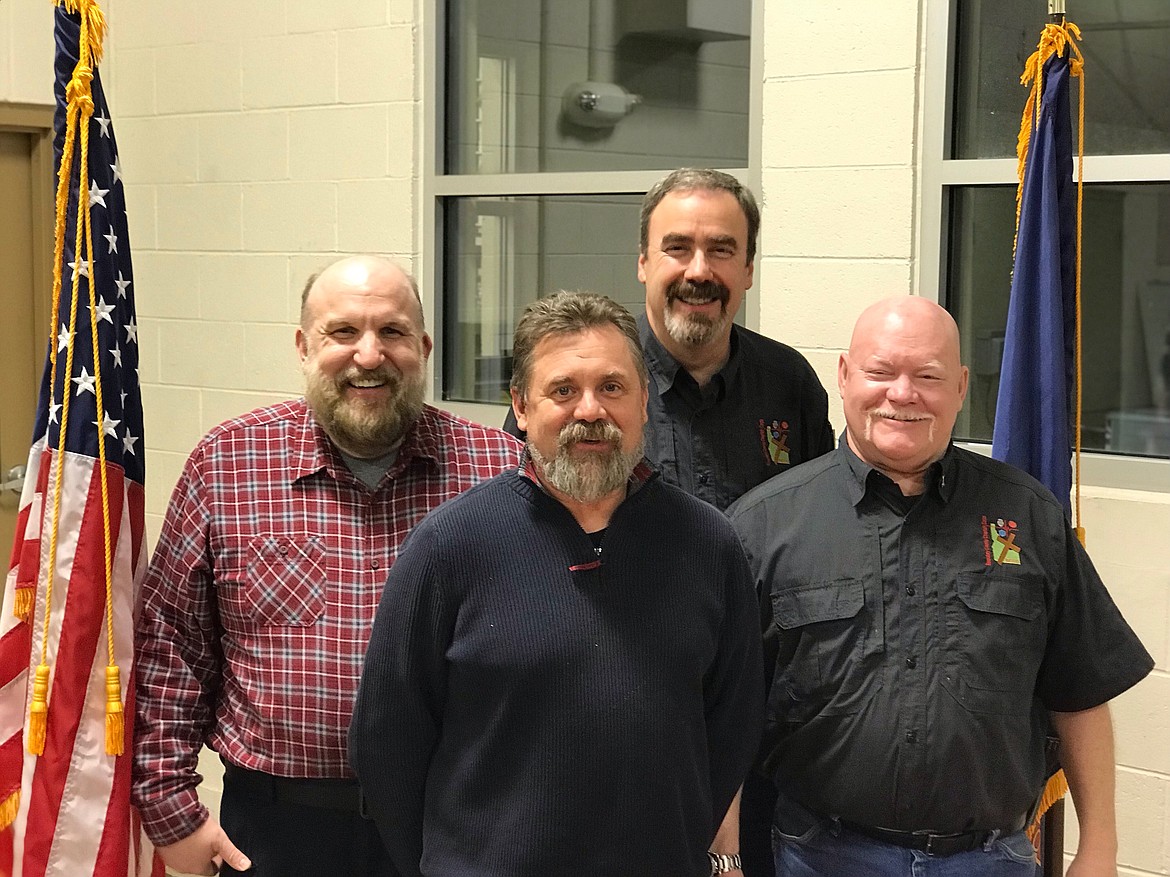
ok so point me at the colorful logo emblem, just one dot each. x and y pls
(999, 542)
(774, 438)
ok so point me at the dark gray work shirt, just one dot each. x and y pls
(915, 646)
(762, 413)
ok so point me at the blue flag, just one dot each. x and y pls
(1033, 414)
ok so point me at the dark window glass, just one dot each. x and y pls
(596, 85)
(504, 252)
(1126, 46)
(1125, 310)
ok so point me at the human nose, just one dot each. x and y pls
(589, 408)
(699, 268)
(901, 390)
(368, 353)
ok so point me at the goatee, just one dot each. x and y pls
(696, 330)
(591, 475)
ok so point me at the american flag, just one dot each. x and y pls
(67, 811)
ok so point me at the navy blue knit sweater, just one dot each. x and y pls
(530, 708)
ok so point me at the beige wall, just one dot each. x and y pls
(258, 138)
(26, 51)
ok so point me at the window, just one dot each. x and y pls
(976, 51)
(556, 116)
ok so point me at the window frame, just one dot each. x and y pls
(434, 186)
(938, 173)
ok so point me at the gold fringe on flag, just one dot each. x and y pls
(23, 602)
(8, 808)
(1054, 790)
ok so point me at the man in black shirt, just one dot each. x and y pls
(728, 407)
(929, 616)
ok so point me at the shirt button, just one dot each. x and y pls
(375, 565)
(911, 662)
(704, 478)
(910, 592)
(911, 736)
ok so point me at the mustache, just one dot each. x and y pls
(384, 372)
(904, 417)
(582, 431)
(704, 289)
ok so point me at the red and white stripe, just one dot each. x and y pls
(74, 816)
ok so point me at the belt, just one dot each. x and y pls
(924, 841)
(327, 794)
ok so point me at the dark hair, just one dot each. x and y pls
(690, 179)
(567, 313)
(308, 287)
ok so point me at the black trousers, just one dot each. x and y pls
(300, 828)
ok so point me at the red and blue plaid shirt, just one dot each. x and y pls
(261, 593)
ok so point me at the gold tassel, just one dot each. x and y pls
(8, 809)
(23, 605)
(1056, 789)
(39, 712)
(115, 725)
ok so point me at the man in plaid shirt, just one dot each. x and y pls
(260, 596)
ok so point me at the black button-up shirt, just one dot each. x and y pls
(916, 645)
(761, 414)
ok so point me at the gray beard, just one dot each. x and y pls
(365, 431)
(590, 478)
(694, 330)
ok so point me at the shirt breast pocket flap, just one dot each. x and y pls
(286, 580)
(1018, 597)
(817, 602)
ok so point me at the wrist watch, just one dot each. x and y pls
(722, 863)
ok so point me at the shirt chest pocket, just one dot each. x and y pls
(829, 631)
(996, 634)
(283, 583)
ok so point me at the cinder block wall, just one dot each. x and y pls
(258, 139)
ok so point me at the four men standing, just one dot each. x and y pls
(583, 695)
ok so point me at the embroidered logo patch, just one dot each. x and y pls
(774, 438)
(999, 542)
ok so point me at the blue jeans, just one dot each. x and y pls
(828, 849)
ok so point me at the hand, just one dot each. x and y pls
(1088, 865)
(203, 851)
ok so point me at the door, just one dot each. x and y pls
(26, 252)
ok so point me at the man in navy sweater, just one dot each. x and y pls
(564, 674)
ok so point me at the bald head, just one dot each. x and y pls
(362, 270)
(902, 386)
(907, 315)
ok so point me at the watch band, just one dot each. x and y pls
(721, 863)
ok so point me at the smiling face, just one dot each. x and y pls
(902, 386)
(584, 411)
(364, 353)
(695, 267)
